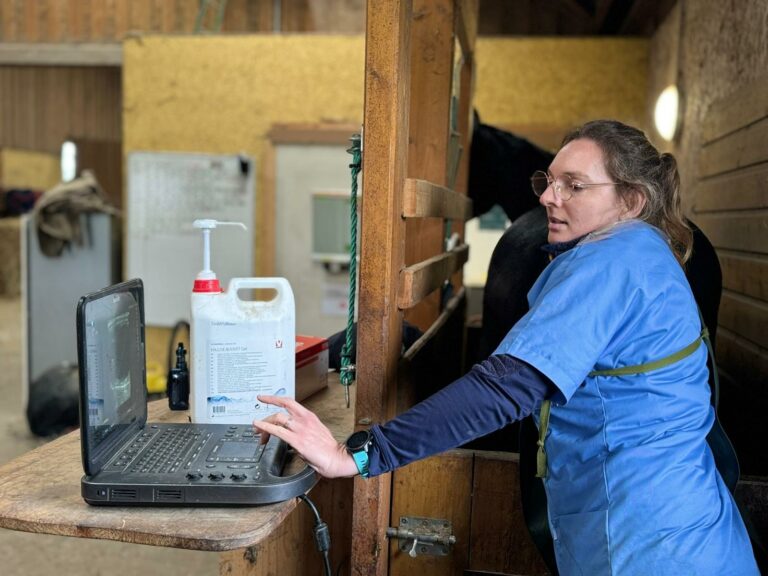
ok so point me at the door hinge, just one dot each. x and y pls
(427, 536)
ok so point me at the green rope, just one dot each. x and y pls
(347, 368)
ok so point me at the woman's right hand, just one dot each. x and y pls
(304, 431)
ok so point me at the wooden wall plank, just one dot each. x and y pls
(56, 21)
(464, 114)
(32, 14)
(415, 493)
(746, 317)
(737, 231)
(746, 362)
(423, 199)
(98, 21)
(167, 14)
(379, 332)
(746, 106)
(745, 274)
(742, 190)
(52, 21)
(423, 278)
(6, 20)
(446, 314)
(500, 541)
(738, 150)
(105, 159)
(74, 21)
(43, 105)
(122, 18)
(236, 16)
(141, 15)
(188, 11)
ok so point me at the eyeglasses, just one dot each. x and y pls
(563, 186)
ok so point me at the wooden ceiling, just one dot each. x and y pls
(572, 17)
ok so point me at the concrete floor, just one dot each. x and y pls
(24, 554)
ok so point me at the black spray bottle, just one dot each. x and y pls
(178, 382)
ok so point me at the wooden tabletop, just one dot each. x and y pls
(40, 492)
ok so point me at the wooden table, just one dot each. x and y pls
(40, 492)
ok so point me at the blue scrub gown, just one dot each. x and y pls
(632, 486)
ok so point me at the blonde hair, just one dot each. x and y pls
(638, 167)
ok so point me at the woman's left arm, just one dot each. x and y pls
(495, 393)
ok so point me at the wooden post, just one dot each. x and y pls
(432, 46)
(385, 150)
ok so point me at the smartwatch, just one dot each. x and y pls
(357, 445)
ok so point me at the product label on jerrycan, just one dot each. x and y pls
(243, 362)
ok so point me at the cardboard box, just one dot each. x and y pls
(311, 365)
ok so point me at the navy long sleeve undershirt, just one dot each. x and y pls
(495, 393)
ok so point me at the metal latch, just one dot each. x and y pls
(428, 536)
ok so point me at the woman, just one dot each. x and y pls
(631, 484)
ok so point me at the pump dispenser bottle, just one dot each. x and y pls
(240, 348)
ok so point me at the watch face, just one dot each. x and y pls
(358, 440)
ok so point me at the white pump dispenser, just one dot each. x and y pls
(207, 277)
(239, 348)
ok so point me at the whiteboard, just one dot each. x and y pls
(166, 192)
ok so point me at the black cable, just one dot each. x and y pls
(322, 535)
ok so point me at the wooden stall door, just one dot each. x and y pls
(478, 494)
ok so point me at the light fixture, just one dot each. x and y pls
(68, 161)
(665, 115)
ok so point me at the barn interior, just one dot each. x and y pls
(279, 87)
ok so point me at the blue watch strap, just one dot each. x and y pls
(361, 461)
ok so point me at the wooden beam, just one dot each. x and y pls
(379, 334)
(449, 309)
(422, 199)
(83, 54)
(466, 25)
(432, 47)
(420, 280)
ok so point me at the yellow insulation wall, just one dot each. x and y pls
(561, 82)
(28, 169)
(222, 94)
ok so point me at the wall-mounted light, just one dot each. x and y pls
(666, 113)
(68, 161)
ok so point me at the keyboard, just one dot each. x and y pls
(162, 452)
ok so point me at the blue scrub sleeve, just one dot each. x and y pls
(495, 393)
